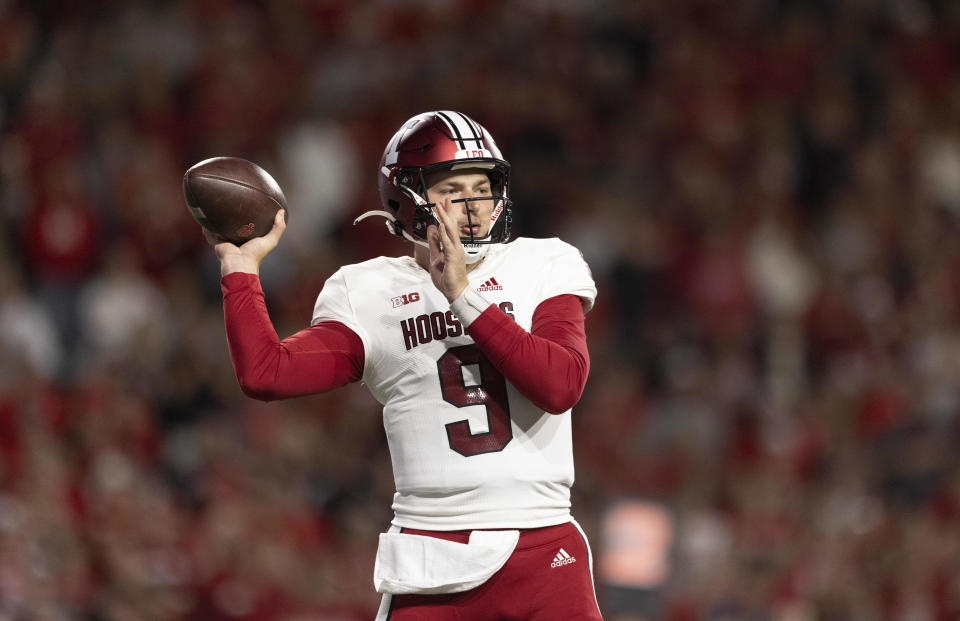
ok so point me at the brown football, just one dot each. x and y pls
(233, 198)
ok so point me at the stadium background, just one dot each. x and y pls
(768, 192)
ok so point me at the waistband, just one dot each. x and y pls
(529, 537)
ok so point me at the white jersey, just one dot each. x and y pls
(468, 450)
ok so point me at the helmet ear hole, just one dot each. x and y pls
(394, 204)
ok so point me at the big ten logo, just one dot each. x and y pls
(404, 299)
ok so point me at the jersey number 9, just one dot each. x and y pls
(491, 393)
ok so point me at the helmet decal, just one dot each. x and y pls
(496, 211)
(392, 151)
(465, 154)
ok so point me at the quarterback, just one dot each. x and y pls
(476, 349)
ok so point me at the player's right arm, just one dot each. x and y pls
(316, 359)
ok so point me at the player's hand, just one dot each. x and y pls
(448, 265)
(248, 256)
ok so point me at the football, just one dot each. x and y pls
(233, 198)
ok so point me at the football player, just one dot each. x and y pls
(476, 349)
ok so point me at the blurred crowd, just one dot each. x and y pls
(768, 192)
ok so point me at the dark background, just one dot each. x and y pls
(767, 191)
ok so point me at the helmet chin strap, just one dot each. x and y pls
(391, 225)
(474, 252)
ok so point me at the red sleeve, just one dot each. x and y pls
(549, 364)
(315, 359)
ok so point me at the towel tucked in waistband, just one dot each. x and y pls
(418, 564)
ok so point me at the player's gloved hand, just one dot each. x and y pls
(448, 266)
(248, 256)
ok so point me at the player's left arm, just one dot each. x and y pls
(550, 363)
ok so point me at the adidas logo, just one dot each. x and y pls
(490, 285)
(562, 558)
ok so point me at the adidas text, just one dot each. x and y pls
(490, 285)
(562, 558)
